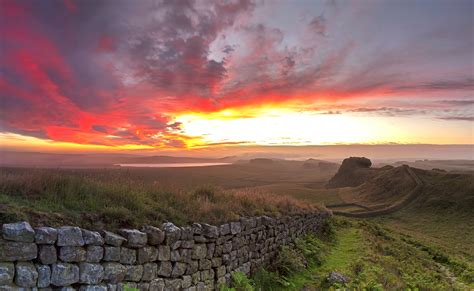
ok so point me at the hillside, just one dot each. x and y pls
(379, 188)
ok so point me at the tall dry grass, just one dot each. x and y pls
(55, 197)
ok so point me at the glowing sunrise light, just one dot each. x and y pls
(280, 127)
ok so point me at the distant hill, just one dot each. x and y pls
(375, 189)
(353, 172)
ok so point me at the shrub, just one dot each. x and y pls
(290, 261)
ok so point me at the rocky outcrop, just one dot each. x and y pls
(197, 257)
(354, 171)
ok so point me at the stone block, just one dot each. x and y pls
(135, 238)
(113, 239)
(128, 256)
(70, 236)
(19, 232)
(178, 269)
(164, 269)
(90, 273)
(134, 273)
(209, 231)
(70, 254)
(92, 238)
(64, 274)
(44, 276)
(17, 251)
(7, 273)
(47, 254)
(147, 254)
(164, 253)
(112, 254)
(155, 235)
(199, 251)
(46, 235)
(235, 227)
(94, 253)
(114, 272)
(224, 229)
(149, 271)
(157, 284)
(94, 288)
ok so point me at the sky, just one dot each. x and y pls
(165, 75)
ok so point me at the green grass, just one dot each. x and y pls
(371, 256)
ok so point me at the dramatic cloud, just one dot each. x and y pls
(118, 72)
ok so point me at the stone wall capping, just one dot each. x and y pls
(196, 257)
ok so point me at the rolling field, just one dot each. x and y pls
(437, 228)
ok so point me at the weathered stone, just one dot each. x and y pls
(94, 254)
(64, 274)
(90, 273)
(192, 268)
(185, 255)
(235, 227)
(114, 272)
(186, 282)
(178, 269)
(175, 245)
(7, 273)
(205, 264)
(147, 254)
(216, 262)
(187, 233)
(70, 236)
(19, 232)
(187, 244)
(157, 284)
(210, 231)
(92, 238)
(134, 273)
(128, 256)
(196, 228)
(155, 235)
(164, 269)
(210, 250)
(47, 254)
(205, 275)
(17, 251)
(135, 238)
(220, 271)
(173, 284)
(172, 233)
(111, 254)
(93, 288)
(164, 253)
(44, 276)
(46, 235)
(143, 286)
(199, 251)
(113, 239)
(224, 229)
(111, 287)
(149, 271)
(335, 277)
(72, 254)
(200, 239)
(175, 256)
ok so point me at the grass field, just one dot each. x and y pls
(370, 256)
(427, 245)
(113, 198)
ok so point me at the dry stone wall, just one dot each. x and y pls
(197, 257)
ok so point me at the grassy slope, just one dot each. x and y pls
(374, 258)
(102, 198)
